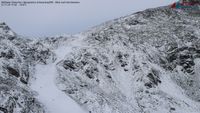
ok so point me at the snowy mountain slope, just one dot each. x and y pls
(44, 83)
(21, 61)
(143, 63)
(147, 62)
(15, 95)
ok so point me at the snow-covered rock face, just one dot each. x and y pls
(142, 63)
(147, 62)
(17, 59)
(6, 31)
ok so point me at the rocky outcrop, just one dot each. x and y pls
(137, 64)
(17, 59)
(147, 62)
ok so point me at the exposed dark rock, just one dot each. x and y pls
(172, 109)
(184, 57)
(23, 80)
(8, 55)
(68, 64)
(91, 72)
(148, 85)
(13, 71)
(4, 110)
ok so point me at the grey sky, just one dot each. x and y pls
(51, 20)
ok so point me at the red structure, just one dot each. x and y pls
(185, 4)
(190, 3)
(173, 5)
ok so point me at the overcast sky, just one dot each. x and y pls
(51, 20)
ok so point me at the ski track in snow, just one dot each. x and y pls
(54, 100)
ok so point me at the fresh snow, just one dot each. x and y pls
(197, 67)
(170, 88)
(54, 100)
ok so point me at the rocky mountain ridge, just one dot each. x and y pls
(147, 62)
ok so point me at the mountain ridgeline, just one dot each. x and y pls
(147, 62)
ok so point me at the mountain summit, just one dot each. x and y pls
(5, 30)
(147, 62)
